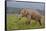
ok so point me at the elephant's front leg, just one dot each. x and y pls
(29, 19)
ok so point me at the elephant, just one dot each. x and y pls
(31, 14)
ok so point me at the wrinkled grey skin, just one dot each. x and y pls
(30, 14)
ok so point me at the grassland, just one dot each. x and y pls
(13, 22)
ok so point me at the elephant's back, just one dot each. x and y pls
(32, 11)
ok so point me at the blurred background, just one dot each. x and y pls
(15, 7)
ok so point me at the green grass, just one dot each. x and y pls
(14, 23)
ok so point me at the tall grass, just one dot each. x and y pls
(13, 22)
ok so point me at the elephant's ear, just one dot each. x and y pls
(26, 12)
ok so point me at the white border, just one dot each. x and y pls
(2, 15)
